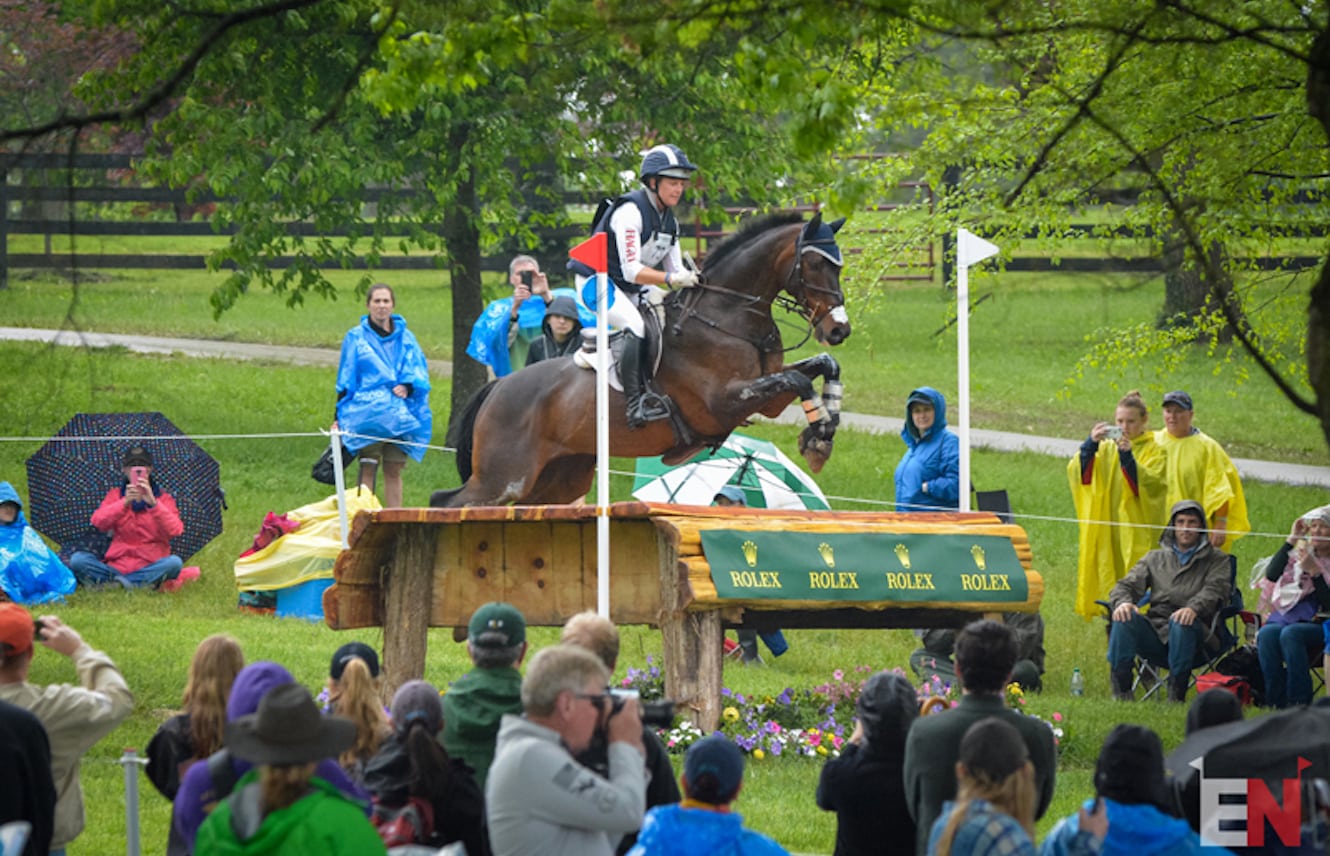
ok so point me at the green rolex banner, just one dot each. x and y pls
(904, 567)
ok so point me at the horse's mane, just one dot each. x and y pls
(748, 231)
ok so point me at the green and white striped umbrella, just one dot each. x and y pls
(768, 478)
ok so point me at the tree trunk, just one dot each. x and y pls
(1189, 291)
(1318, 312)
(461, 236)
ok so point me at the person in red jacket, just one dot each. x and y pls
(141, 520)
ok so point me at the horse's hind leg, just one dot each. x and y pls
(563, 481)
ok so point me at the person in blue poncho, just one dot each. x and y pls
(1129, 778)
(713, 771)
(383, 394)
(29, 571)
(502, 335)
(928, 476)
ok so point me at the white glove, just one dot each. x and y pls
(681, 279)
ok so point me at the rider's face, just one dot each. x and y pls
(670, 190)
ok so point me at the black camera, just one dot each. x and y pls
(527, 277)
(656, 714)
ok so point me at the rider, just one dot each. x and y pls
(645, 254)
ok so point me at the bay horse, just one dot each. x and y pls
(530, 438)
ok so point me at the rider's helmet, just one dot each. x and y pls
(668, 161)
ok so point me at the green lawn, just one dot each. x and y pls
(1025, 340)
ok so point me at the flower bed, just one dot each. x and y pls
(813, 722)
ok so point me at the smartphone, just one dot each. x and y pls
(1113, 433)
(138, 474)
(527, 276)
(37, 628)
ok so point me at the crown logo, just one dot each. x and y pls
(978, 553)
(903, 554)
(750, 553)
(828, 555)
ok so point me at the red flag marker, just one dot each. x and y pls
(591, 253)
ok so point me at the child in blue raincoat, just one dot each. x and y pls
(29, 571)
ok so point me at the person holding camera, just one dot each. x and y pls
(1118, 486)
(597, 634)
(75, 717)
(539, 799)
(141, 519)
(502, 335)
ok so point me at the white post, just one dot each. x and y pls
(339, 481)
(970, 250)
(602, 446)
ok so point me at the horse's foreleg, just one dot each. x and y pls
(823, 411)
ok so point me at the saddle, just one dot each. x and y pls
(653, 317)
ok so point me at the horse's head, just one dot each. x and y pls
(815, 280)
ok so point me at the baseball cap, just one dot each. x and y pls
(496, 625)
(1178, 397)
(349, 652)
(16, 628)
(733, 493)
(137, 456)
(918, 397)
(417, 701)
(713, 769)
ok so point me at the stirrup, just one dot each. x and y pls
(647, 407)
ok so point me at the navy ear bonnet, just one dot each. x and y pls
(820, 238)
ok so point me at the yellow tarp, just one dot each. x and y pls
(307, 553)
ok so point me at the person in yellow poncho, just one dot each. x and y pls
(1117, 486)
(1198, 468)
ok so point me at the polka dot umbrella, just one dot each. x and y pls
(69, 476)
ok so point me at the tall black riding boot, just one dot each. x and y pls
(643, 405)
(1121, 677)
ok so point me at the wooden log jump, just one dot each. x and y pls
(691, 571)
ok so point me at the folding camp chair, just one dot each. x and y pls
(1230, 625)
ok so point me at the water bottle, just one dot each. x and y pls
(1077, 682)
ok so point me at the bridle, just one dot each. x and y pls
(796, 287)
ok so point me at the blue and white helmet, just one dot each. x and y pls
(666, 160)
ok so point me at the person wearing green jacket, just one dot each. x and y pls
(476, 702)
(280, 806)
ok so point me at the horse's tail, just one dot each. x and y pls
(461, 436)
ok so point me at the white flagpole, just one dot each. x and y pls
(602, 446)
(970, 250)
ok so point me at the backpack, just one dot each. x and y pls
(1236, 685)
(409, 823)
(1243, 663)
(600, 222)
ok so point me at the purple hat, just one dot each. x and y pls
(417, 701)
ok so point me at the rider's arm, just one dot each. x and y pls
(626, 225)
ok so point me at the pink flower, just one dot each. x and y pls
(1057, 717)
(838, 675)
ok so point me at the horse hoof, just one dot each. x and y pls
(816, 452)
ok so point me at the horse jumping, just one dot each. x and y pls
(531, 436)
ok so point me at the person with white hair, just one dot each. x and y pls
(538, 799)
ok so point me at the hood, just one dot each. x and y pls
(887, 704)
(666, 827)
(8, 494)
(251, 684)
(1141, 830)
(476, 697)
(565, 306)
(939, 414)
(1166, 539)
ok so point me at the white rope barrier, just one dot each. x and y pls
(325, 433)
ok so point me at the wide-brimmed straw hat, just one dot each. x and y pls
(288, 729)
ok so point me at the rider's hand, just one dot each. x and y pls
(681, 279)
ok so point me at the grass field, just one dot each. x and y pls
(1025, 340)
